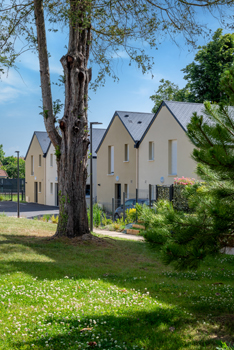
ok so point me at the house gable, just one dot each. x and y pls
(43, 140)
(134, 122)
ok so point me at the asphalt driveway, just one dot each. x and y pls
(27, 210)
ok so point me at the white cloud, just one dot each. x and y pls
(9, 94)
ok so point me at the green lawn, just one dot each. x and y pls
(111, 294)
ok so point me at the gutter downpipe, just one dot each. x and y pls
(45, 180)
(137, 164)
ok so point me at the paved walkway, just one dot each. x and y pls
(29, 210)
(115, 234)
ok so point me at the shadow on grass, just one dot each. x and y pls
(147, 330)
(127, 264)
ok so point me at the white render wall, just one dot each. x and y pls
(164, 129)
(51, 177)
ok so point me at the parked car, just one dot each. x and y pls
(129, 204)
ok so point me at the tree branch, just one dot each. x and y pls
(45, 74)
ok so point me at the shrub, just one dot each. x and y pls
(98, 214)
(224, 346)
(54, 219)
(46, 217)
(184, 181)
(131, 215)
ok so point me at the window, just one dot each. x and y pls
(87, 193)
(32, 165)
(126, 153)
(51, 187)
(110, 159)
(126, 190)
(130, 203)
(151, 150)
(153, 192)
(39, 187)
(39, 159)
(51, 159)
(172, 157)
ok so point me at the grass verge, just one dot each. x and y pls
(109, 294)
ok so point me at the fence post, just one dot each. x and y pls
(171, 192)
(156, 194)
(136, 202)
(150, 188)
(124, 214)
(113, 209)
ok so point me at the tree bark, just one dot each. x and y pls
(45, 74)
(72, 163)
(72, 147)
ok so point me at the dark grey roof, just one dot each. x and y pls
(136, 124)
(43, 139)
(97, 135)
(183, 111)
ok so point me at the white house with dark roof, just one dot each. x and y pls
(118, 156)
(165, 149)
(139, 149)
(41, 169)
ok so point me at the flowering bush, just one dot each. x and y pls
(184, 181)
(131, 215)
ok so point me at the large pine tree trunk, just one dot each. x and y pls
(72, 147)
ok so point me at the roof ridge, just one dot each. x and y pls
(134, 112)
(191, 103)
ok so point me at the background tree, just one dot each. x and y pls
(203, 75)
(170, 92)
(2, 154)
(98, 28)
(188, 239)
(10, 165)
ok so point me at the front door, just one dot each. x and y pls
(35, 192)
(117, 195)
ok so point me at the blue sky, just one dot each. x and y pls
(20, 95)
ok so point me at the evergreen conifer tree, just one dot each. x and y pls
(188, 238)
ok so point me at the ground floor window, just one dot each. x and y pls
(87, 193)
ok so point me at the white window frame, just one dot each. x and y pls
(126, 190)
(172, 157)
(126, 152)
(110, 160)
(51, 159)
(151, 150)
(32, 165)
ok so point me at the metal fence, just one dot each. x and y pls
(8, 188)
(172, 193)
